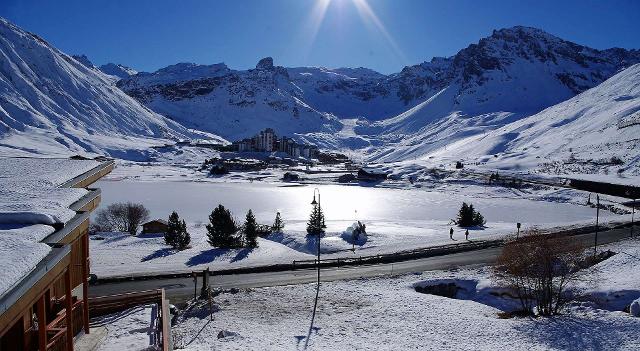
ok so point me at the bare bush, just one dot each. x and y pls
(121, 217)
(541, 270)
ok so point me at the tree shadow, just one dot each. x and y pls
(206, 256)
(167, 251)
(578, 333)
(241, 255)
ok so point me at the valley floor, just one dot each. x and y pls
(399, 216)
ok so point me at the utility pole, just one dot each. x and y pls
(595, 246)
(195, 286)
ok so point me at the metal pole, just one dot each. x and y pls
(595, 246)
(633, 212)
(195, 286)
(320, 208)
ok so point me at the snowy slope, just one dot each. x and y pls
(512, 74)
(52, 104)
(118, 70)
(578, 136)
(233, 104)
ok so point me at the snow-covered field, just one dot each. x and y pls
(386, 313)
(396, 219)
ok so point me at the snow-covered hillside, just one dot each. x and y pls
(512, 74)
(51, 104)
(597, 131)
(118, 70)
(233, 104)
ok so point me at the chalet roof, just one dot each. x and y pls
(36, 200)
(161, 221)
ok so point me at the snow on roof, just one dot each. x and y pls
(29, 192)
(31, 201)
(19, 253)
(39, 172)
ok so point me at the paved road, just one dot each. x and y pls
(178, 289)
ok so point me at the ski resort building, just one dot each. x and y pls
(44, 250)
(267, 141)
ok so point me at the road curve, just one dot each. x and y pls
(179, 289)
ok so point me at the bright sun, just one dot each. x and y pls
(366, 13)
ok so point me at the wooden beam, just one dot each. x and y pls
(14, 313)
(69, 309)
(42, 324)
(85, 282)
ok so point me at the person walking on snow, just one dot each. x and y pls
(451, 233)
(466, 235)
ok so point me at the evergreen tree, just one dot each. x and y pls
(468, 216)
(173, 228)
(316, 225)
(251, 230)
(177, 235)
(222, 229)
(278, 224)
(184, 239)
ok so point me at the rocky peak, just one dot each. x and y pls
(83, 59)
(265, 64)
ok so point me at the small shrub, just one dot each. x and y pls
(121, 217)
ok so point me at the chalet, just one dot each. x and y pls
(155, 226)
(371, 174)
(44, 250)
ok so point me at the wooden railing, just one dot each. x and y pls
(57, 328)
(103, 305)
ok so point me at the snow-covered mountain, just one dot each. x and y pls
(233, 104)
(513, 73)
(50, 103)
(597, 131)
(118, 70)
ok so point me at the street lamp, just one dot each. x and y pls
(317, 203)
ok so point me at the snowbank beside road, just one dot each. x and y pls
(387, 313)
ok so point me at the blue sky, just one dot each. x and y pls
(384, 35)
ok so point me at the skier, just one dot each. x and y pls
(451, 233)
(466, 235)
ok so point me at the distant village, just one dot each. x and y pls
(268, 141)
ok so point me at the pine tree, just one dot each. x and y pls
(177, 235)
(251, 230)
(222, 229)
(173, 228)
(278, 224)
(316, 224)
(468, 216)
(184, 239)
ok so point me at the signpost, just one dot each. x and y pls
(518, 225)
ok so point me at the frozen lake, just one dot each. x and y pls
(396, 220)
(194, 202)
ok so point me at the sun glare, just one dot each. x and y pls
(367, 15)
